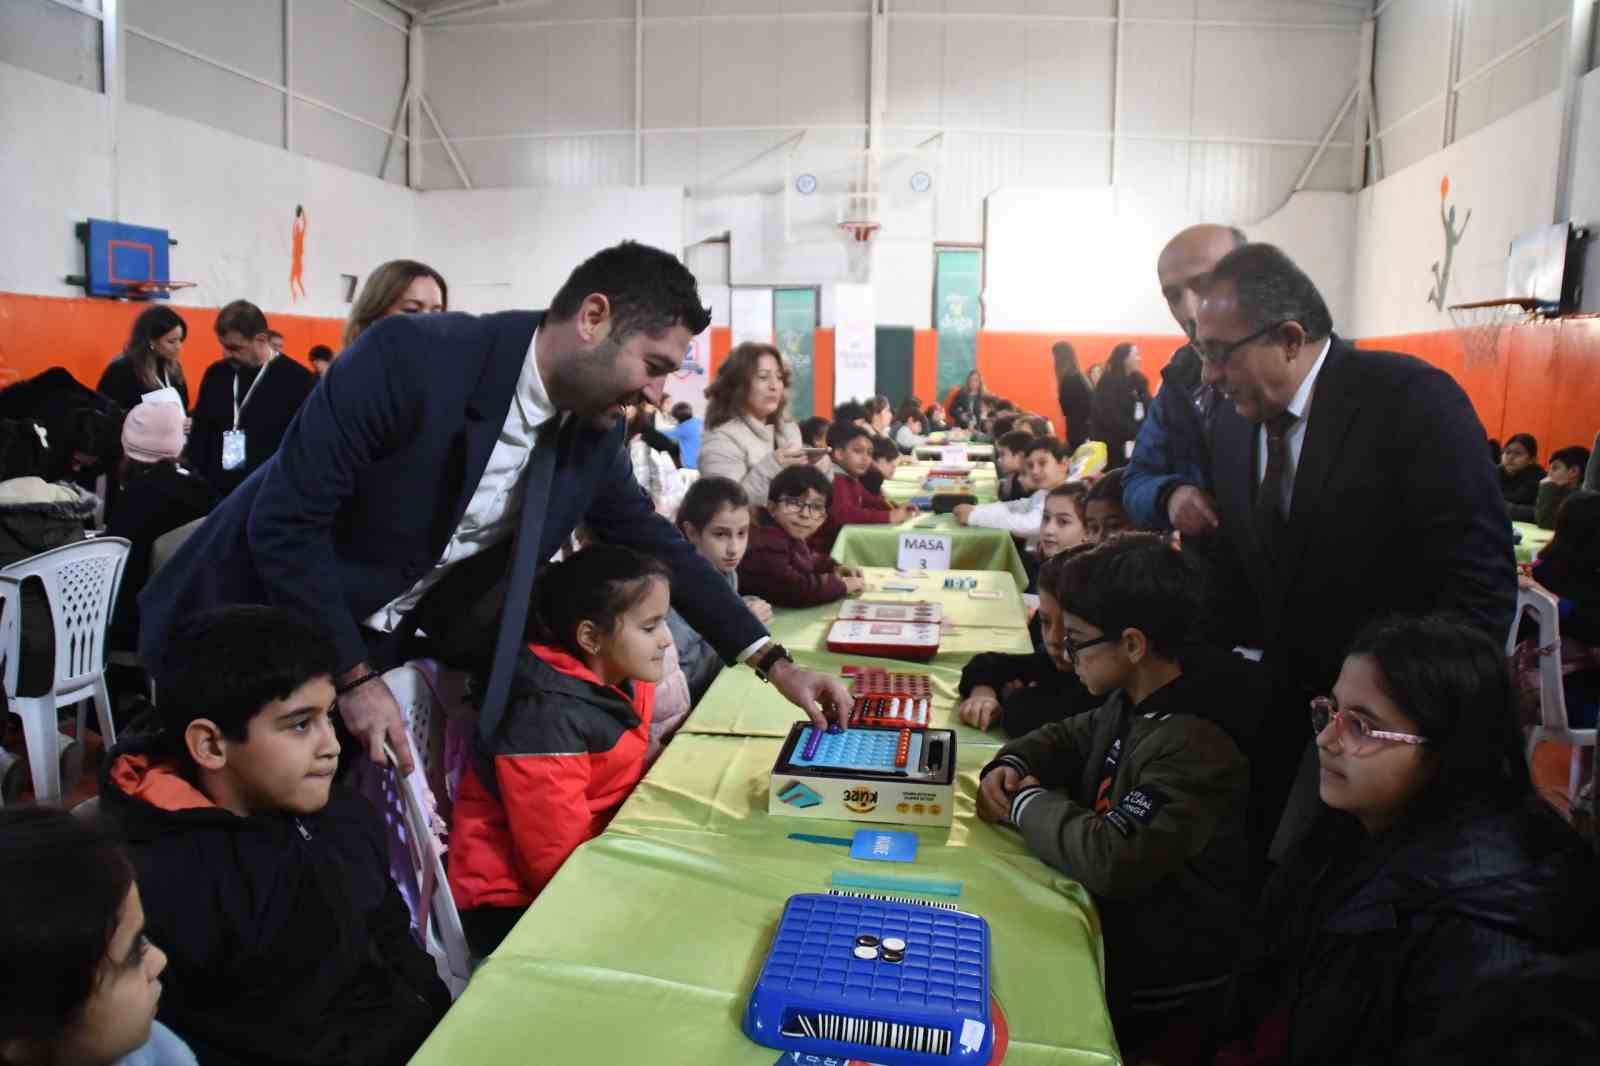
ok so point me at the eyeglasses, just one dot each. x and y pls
(1355, 735)
(794, 506)
(1073, 648)
(1218, 354)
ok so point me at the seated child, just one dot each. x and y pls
(780, 566)
(1103, 516)
(84, 980)
(814, 432)
(715, 518)
(1047, 460)
(938, 421)
(1010, 458)
(852, 502)
(1566, 477)
(266, 885)
(912, 430)
(1142, 800)
(1060, 528)
(572, 743)
(1569, 567)
(885, 457)
(1038, 425)
(1433, 872)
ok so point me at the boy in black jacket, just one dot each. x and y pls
(267, 886)
(1143, 799)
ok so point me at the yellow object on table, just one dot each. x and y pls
(1533, 540)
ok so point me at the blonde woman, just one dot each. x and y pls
(749, 434)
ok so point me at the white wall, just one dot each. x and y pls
(229, 201)
(1504, 174)
(503, 248)
(1085, 259)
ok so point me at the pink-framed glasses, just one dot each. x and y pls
(1357, 736)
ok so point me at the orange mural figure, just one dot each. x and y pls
(297, 262)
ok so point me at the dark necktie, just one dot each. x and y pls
(1270, 519)
(524, 560)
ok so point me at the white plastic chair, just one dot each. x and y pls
(1552, 699)
(80, 581)
(443, 936)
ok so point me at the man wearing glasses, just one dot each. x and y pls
(1347, 484)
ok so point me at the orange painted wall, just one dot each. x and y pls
(83, 335)
(924, 364)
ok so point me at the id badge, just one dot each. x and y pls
(232, 449)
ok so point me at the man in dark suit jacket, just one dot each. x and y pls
(441, 439)
(1377, 502)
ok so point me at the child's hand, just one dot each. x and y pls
(962, 512)
(981, 707)
(853, 585)
(900, 514)
(760, 608)
(994, 794)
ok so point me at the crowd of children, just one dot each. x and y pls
(244, 911)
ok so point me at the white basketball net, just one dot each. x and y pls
(1479, 327)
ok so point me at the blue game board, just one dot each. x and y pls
(926, 1002)
(858, 749)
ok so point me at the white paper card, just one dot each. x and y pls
(923, 551)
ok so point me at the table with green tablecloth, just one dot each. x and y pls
(645, 946)
(1533, 540)
(970, 549)
(903, 492)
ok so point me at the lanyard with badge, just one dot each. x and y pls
(233, 440)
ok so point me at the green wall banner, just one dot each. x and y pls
(957, 288)
(794, 324)
(895, 345)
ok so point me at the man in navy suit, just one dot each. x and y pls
(1349, 485)
(438, 439)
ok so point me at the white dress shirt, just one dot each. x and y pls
(1300, 404)
(496, 504)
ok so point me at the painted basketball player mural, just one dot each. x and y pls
(297, 260)
(1452, 237)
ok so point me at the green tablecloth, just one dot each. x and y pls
(970, 549)
(1533, 540)
(644, 947)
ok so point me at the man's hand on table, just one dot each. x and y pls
(822, 697)
(372, 716)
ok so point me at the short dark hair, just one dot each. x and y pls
(793, 482)
(649, 291)
(241, 317)
(1015, 440)
(908, 411)
(1108, 487)
(227, 663)
(849, 411)
(1270, 288)
(61, 900)
(1002, 425)
(1529, 442)
(681, 411)
(1574, 455)
(1134, 581)
(814, 427)
(875, 405)
(320, 353)
(706, 499)
(884, 448)
(1057, 448)
(1452, 680)
(597, 585)
(1038, 425)
(840, 434)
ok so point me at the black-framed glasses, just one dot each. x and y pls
(1073, 648)
(1218, 354)
(794, 506)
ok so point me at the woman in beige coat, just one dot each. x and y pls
(749, 434)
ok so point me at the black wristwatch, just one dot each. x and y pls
(772, 656)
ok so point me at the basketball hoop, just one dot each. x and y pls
(858, 234)
(1478, 325)
(150, 290)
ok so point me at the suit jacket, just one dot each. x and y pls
(375, 473)
(1393, 513)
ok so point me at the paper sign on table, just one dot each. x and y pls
(953, 454)
(923, 551)
(884, 845)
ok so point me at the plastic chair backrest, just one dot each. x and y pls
(1552, 697)
(80, 581)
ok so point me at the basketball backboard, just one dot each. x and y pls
(123, 261)
(1545, 265)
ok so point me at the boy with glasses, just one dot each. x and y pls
(780, 566)
(1142, 799)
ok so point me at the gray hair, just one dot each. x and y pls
(1270, 288)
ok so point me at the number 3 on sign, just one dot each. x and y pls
(924, 551)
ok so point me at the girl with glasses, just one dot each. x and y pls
(1434, 869)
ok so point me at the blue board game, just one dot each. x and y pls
(900, 984)
(860, 749)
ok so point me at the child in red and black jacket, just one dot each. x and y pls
(851, 502)
(572, 743)
(781, 566)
